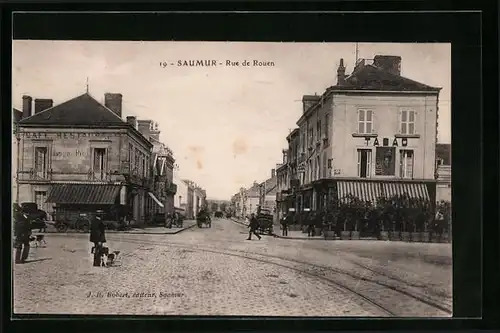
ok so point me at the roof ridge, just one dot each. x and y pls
(53, 106)
(396, 76)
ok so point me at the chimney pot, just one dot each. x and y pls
(113, 102)
(27, 106)
(43, 104)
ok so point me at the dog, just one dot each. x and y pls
(107, 258)
(37, 240)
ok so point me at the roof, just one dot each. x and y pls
(253, 191)
(293, 133)
(16, 115)
(271, 185)
(81, 110)
(443, 151)
(370, 77)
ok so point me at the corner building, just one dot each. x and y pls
(372, 134)
(81, 156)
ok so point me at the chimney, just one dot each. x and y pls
(43, 104)
(308, 101)
(273, 173)
(114, 103)
(144, 126)
(131, 120)
(391, 64)
(341, 73)
(27, 106)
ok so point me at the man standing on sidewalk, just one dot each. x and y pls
(22, 233)
(253, 225)
(98, 237)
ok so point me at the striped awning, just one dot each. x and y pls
(365, 191)
(412, 190)
(85, 194)
(155, 199)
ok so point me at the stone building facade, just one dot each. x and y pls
(81, 156)
(372, 134)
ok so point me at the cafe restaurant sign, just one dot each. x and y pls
(66, 135)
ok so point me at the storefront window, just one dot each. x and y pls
(385, 163)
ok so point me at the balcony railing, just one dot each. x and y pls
(40, 175)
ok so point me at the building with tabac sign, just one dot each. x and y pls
(372, 134)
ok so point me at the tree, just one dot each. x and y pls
(214, 206)
(223, 207)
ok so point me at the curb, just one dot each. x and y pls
(112, 232)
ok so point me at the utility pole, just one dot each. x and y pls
(357, 53)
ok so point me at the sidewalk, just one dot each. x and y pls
(188, 224)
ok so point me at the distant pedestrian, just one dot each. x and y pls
(284, 224)
(310, 225)
(98, 237)
(253, 225)
(22, 233)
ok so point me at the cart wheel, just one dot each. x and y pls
(62, 227)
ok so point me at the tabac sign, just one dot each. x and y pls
(385, 142)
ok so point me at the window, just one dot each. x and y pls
(99, 162)
(40, 198)
(136, 160)
(41, 161)
(324, 165)
(385, 163)
(365, 121)
(407, 122)
(327, 126)
(143, 166)
(318, 167)
(318, 130)
(314, 177)
(406, 164)
(364, 163)
(131, 157)
(311, 136)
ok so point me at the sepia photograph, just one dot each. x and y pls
(278, 179)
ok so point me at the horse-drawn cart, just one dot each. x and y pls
(202, 219)
(265, 219)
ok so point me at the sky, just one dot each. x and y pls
(225, 124)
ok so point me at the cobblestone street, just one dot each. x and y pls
(216, 271)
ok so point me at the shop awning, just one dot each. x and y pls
(412, 190)
(85, 194)
(364, 190)
(155, 199)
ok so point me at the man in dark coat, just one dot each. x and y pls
(98, 237)
(253, 225)
(287, 220)
(22, 233)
